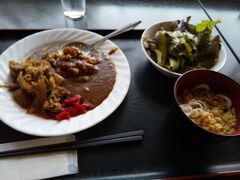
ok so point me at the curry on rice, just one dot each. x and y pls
(61, 82)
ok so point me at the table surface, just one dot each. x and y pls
(171, 147)
(104, 14)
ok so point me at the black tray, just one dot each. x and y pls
(172, 146)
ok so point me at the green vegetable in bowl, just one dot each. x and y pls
(204, 31)
(179, 46)
(206, 25)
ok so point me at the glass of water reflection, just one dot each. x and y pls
(74, 9)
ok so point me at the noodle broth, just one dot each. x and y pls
(213, 112)
(227, 93)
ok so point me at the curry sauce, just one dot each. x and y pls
(68, 73)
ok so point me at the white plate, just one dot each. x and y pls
(17, 118)
(150, 32)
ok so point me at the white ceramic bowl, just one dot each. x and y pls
(150, 32)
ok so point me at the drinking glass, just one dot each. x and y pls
(74, 9)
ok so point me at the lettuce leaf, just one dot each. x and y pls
(206, 25)
(161, 52)
(204, 32)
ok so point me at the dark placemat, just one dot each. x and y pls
(172, 146)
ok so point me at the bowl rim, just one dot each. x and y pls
(166, 71)
(178, 103)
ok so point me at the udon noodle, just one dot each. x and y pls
(213, 112)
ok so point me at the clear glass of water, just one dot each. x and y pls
(74, 9)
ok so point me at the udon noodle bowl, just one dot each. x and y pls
(213, 112)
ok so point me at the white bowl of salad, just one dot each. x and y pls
(175, 47)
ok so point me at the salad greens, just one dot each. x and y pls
(206, 25)
(179, 46)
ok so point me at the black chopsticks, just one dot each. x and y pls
(98, 141)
